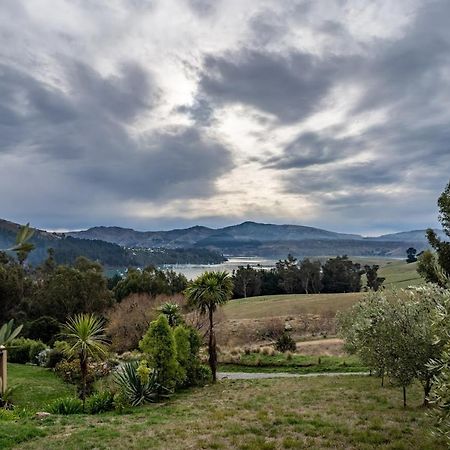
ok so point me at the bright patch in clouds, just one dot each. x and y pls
(155, 114)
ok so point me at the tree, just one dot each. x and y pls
(428, 267)
(206, 293)
(159, 345)
(289, 274)
(340, 274)
(247, 282)
(85, 334)
(411, 255)
(374, 282)
(441, 247)
(393, 334)
(310, 276)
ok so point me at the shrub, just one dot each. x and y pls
(54, 356)
(23, 350)
(133, 391)
(66, 406)
(129, 320)
(202, 375)
(36, 347)
(285, 343)
(100, 402)
(159, 345)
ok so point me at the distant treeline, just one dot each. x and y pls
(291, 276)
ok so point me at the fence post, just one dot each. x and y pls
(3, 369)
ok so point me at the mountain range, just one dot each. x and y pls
(259, 239)
(118, 247)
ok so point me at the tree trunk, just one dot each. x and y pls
(426, 392)
(404, 396)
(84, 369)
(212, 347)
(382, 379)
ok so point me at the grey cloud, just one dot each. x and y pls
(79, 135)
(201, 111)
(310, 149)
(290, 87)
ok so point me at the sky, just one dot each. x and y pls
(155, 114)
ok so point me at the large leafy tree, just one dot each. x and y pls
(85, 334)
(209, 291)
(441, 247)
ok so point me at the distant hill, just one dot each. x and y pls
(259, 239)
(67, 248)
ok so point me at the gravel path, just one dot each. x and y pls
(261, 375)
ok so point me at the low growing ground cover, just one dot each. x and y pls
(339, 412)
(292, 363)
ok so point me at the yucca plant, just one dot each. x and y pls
(22, 247)
(85, 334)
(137, 390)
(8, 332)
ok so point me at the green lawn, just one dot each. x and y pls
(34, 387)
(319, 413)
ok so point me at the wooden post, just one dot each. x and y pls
(3, 370)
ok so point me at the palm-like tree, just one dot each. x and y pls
(172, 312)
(85, 334)
(206, 293)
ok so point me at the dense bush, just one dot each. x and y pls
(100, 402)
(129, 320)
(70, 372)
(285, 343)
(23, 350)
(66, 406)
(159, 346)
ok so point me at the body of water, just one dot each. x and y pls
(191, 271)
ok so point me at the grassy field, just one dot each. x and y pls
(399, 274)
(284, 305)
(257, 362)
(320, 413)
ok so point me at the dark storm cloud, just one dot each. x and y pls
(289, 87)
(310, 149)
(84, 127)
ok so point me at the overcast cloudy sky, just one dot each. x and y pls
(161, 113)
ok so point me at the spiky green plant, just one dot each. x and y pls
(172, 312)
(22, 246)
(136, 389)
(206, 293)
(8, 332)
(85, 334)
(66, 406)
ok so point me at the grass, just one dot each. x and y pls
(399, 274)
(257, 362)
(34, 387)
(285, 305)
(320, 413)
